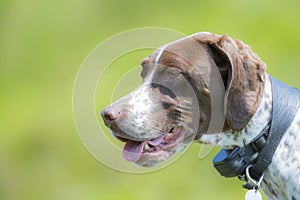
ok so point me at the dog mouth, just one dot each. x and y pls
(134, 150)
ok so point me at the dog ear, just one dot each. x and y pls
(243, 75)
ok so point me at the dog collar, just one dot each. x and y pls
(255, 157)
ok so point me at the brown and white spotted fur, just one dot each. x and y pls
(282, 178)
(166, 107)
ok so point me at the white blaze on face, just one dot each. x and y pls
(142, 105)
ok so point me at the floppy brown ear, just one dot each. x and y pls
(243, 75)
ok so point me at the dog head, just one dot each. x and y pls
(173, 106)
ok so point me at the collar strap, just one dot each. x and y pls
(233, 162)
(259, 152)
(286, 101)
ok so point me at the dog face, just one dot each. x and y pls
(172, 107)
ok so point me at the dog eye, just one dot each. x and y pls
(173, 74)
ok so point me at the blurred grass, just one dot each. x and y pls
(42, 44)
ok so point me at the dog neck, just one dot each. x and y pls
(260, 119)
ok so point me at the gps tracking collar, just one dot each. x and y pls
(231, 163)
(250, 162)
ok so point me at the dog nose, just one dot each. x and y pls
(108, 115)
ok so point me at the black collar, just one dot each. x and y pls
(259, 152)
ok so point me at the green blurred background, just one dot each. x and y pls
(42, 45)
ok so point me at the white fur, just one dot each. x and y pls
(140, 105)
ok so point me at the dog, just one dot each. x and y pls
(186, 85)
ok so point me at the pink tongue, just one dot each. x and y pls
(132, 150)
(156, 141)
